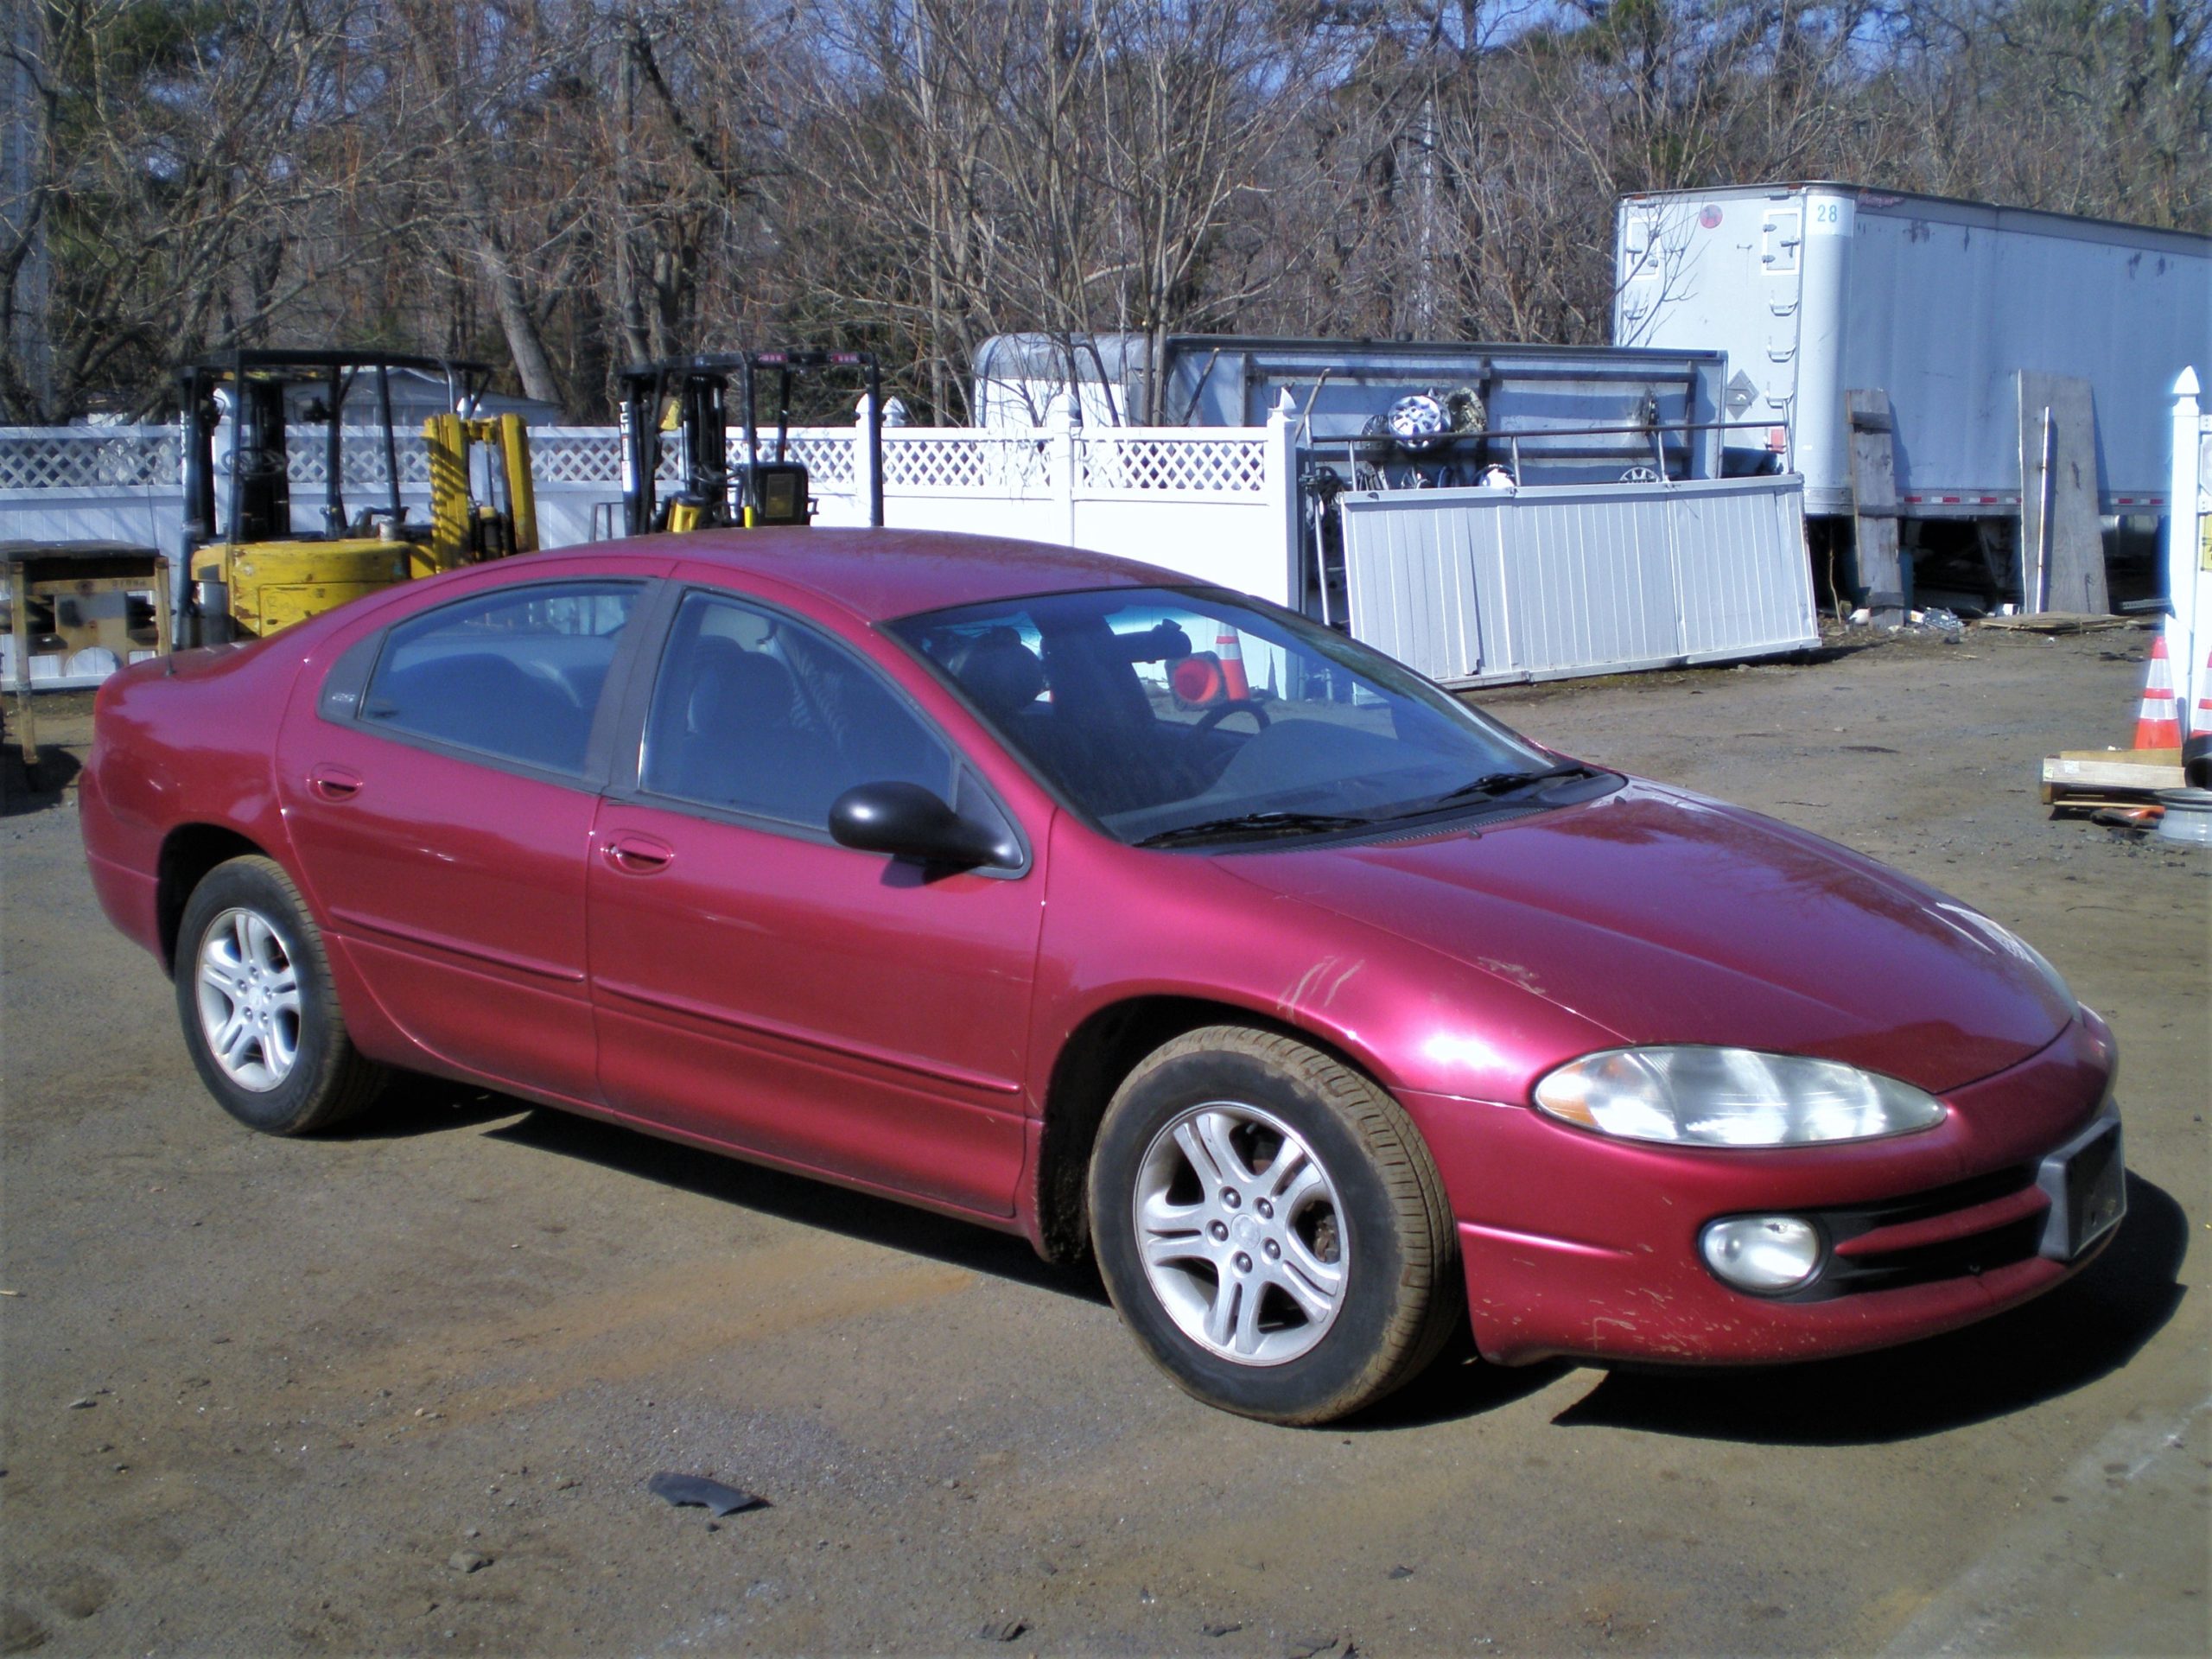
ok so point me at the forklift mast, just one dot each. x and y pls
(691, 396)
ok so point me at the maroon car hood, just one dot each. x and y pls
(1663, 916)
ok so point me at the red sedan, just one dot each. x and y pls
(1055, 891)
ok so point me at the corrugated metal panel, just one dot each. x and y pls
(1491, 586)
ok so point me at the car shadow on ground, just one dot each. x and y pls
(796, 1198)
(2086, 1328)
(415, 1105)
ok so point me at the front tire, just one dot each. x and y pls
(1271, 1228)
(260, 1017)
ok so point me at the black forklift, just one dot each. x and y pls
(691, 398)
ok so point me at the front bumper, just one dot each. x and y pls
(1579, 1245)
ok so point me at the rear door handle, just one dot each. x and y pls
(639, 854)
(333, 783)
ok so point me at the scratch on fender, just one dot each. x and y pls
(1318, 986)
(1524, 978)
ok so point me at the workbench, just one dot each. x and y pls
(70, 621)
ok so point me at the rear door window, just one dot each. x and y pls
(517, 675)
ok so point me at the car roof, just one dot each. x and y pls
(881, 574)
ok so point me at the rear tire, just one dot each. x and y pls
(1271, 1228)
(260, 1017)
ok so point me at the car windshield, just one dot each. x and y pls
(1183, 716)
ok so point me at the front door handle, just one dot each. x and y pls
(639, 854)
(333, 784)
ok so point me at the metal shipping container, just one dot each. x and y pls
(1653, 412)
(1815, 289)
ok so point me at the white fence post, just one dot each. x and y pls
(1282, 494)
(1062, 423)
(2189, 631)
(864, 480)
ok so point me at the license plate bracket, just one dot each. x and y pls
(2086, 1181)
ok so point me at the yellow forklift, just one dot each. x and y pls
(690, 397)
(256, 573)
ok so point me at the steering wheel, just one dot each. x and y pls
(1222, 711)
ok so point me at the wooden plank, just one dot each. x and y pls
(2119, 771)
(2053, 622)
(2062, 547)
(1874, 502)
(2129, 757)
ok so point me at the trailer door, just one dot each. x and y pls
(1724, 273)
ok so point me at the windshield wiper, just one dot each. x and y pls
(1493, 784)
(1253, 824)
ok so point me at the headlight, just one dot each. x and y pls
(1731, 1097)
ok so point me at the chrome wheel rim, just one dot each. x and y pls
(1241, 1233)
(249, 995)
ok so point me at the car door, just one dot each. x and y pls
(757, 984)
(440, 788)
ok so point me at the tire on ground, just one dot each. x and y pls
(1379, 1211)
(252, 979)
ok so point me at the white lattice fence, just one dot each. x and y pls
(936, 462)
(1226, 494)
(828, 455)
(87, 457)
(306, 458)
(1190, 463)
(584, 455)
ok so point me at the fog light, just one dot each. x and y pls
(1765, 1254)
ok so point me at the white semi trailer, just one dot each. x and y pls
(1814, 290)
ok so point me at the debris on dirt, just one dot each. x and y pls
(1320, 1647)
(468, 1561)
(698, 1492)
(1002, 1629)
(1224, 1630)
(2128, 817)
(83, 1402)
(1399, 1573)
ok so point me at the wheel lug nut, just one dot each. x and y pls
(1244, 1262)
(1274, 1251)
(1229, 1199)
(1267, 1211)
(1219, 1231)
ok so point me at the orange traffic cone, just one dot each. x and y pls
(2157, 724)
(2196, 749)
(1231, 653)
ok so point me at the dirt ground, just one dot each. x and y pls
(399, 1391)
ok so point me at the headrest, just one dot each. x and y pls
(999, 671)
(739, 688)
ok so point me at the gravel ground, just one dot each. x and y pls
(400, 1390)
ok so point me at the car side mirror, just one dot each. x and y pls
(908, 821)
